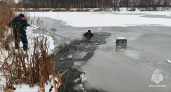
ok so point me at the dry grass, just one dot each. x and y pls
(18, 67)
(6, 15)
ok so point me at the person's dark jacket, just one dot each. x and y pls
(88, 34)
(18, 24)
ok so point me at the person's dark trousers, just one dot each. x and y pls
(21, 36)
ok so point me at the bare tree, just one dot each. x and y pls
(147, 4)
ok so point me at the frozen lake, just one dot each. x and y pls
(131, 69)
(125, 70)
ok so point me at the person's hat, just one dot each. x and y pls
(89, 31)
(21, 15)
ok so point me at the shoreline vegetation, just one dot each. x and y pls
(31, 67)
(114, 9)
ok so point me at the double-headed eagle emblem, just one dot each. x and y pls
(157, 76)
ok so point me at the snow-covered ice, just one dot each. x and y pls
(121, 38)
(106, 19)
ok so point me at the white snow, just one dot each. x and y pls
(2, 82)
(16, 1)
(70, 56)
(121, 38)
(26, 88)
(106, 19)
(31, 36)
(168, 61)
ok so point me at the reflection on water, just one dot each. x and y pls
(120, 49)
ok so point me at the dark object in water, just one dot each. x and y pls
(88, 35)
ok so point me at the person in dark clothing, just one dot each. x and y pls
(19, 25)
(88, 35)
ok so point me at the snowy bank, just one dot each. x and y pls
(4, 54)
(31, 36)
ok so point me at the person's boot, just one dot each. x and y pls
(25, 48)
(16, 47)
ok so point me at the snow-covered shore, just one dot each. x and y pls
(30, 36)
